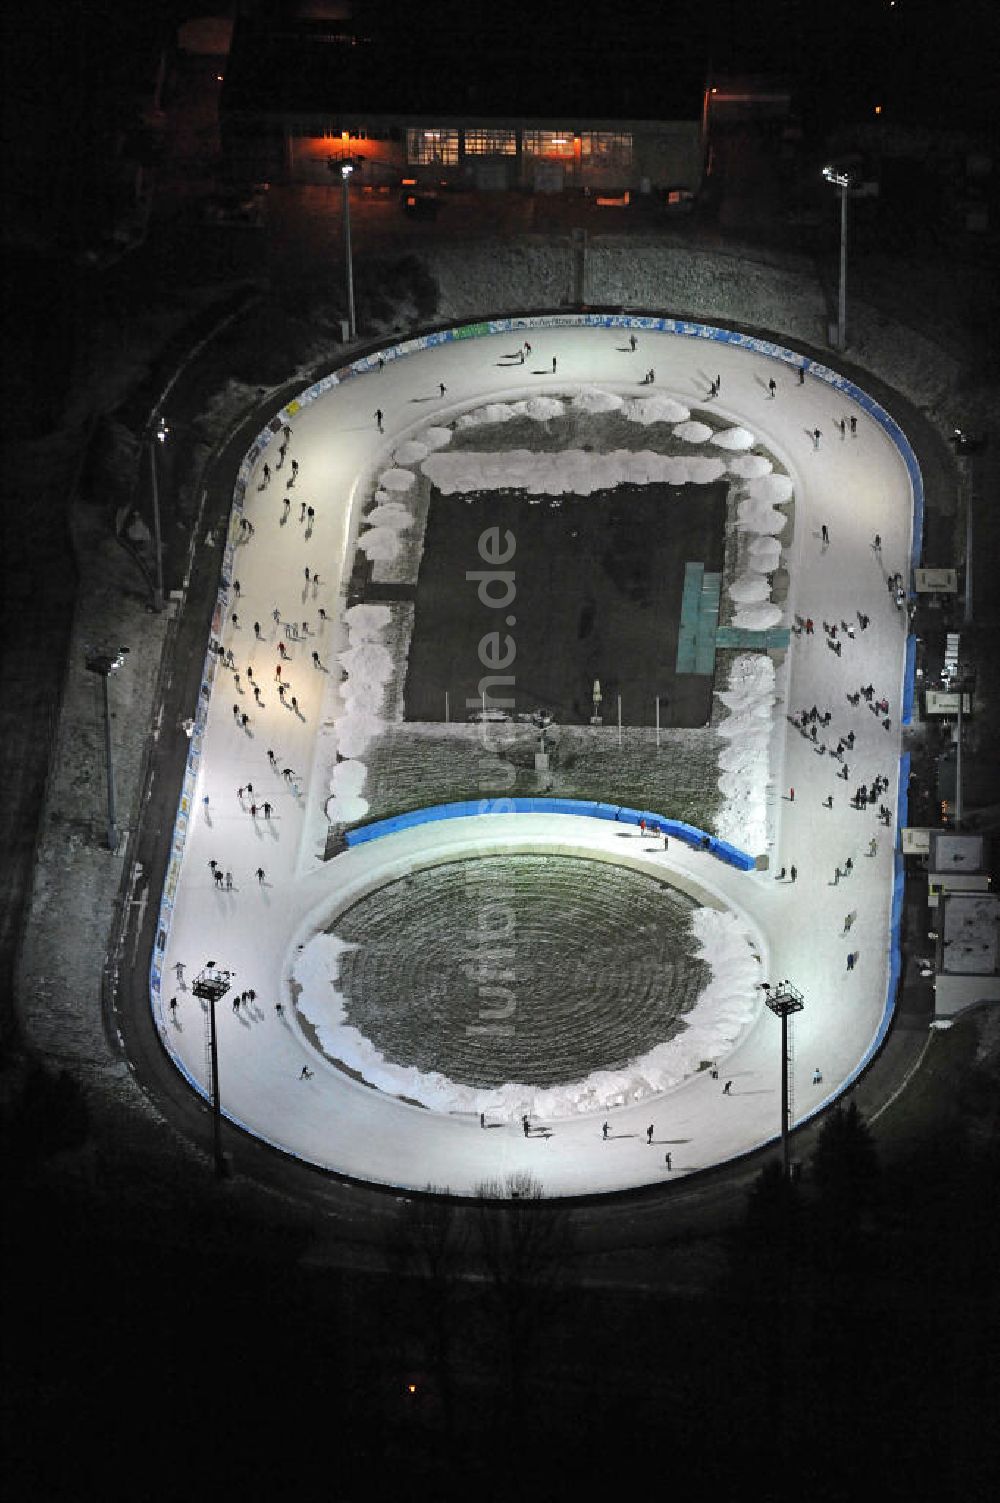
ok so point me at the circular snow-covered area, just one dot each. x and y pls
(436, 438)
(534, 969)
(410, 452)
(734, 438)
(526, 978)
(693, 432)
(397, 481)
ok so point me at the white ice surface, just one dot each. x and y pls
(857, 488)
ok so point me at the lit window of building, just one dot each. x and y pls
(548, 143)
(610, 148)
(427, 147)
(490, 143)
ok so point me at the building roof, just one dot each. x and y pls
(443, 64)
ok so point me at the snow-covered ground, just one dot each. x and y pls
(264, 930)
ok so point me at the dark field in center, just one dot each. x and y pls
(598, 584)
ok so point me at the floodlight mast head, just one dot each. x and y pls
(346, 169)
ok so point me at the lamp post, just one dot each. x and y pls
(103, 664)
(784, 1000)
(968, 447)
(159, 434)
(844, 182)
(345, 175)
(210, 986)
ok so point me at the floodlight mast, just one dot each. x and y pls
(844, 181)
(104, 664)
(345, 174)
(784, 1000)
(210, 986)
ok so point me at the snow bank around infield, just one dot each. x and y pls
(368, 667)
(693, 432)
(745, 761)
(734, 438)
(538, 409)
(729, 1002)
(565, 471)
(647, 410)
(345, 803)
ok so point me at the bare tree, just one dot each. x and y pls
(432, 1249)
(525, 1242)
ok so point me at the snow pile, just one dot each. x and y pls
(389, 514)
(366, 623)
(774, 490)
(317, 965)
(693, 432)
(757, 617)
(703, 470)
(750, 466)
(411, 452)
(436, 438)
(756, 511)
(646, 410)
(538, 409)
(564, 472)
(397, 481)
(345, 804)
(592, 399)
(368, 666)
(744, 761)
(759, 517)
(749, 589)
(728, 1004)
(493, 412)
(764, 554)
(379, 544)
(734, 438)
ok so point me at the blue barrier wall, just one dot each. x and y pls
(657, 824)
(909, 681)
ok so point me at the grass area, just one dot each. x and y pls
(416, 766)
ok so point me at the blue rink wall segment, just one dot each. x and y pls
(909, 681)
(657, 824)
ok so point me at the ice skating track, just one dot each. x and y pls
(856, 486)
